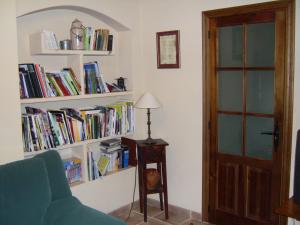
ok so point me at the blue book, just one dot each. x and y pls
(125, 158)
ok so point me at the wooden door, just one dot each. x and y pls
(247, 107)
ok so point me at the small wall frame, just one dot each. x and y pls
(168, 51)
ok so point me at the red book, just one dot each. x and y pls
(42, 82)
(61, 86)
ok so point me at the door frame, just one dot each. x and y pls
(207, 17)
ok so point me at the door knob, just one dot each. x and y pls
(275, 133)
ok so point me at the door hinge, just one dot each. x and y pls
(209, 125)
(208, 208)
(208, 34)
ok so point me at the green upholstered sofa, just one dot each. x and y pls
(36, 192)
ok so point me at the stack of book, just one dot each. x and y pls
(54, 128)
(97, 39)
(36, 83)
(94, 81)
(72, 169)
(103, 162)
(110, 145)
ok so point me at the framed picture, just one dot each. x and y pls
(167, 46)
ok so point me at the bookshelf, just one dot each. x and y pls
(114, 64)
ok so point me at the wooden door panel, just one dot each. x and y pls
(258, 194)
(227, 187)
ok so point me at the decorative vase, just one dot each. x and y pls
(76, 34)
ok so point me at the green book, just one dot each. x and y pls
(103, 164)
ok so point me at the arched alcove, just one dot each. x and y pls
(98, 15)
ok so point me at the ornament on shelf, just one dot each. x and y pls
(121, 83)
(76, 33)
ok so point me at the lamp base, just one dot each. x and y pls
(149, 141)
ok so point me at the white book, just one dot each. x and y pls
(49, 39)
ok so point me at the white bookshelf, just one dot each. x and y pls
(113, 64)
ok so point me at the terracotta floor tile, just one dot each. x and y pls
(194, 222)
(176, 216)
(152, 211)
(134, 218)
(152, 221)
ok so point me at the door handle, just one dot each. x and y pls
(275, 133)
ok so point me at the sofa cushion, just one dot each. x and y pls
(70, 211)
(56, 174)
(24, 192)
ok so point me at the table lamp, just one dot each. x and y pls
(148, 101)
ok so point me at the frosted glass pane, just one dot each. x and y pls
(230, 134)
(230, 46)
(260, 44)
(260, 92)
(257, 144)
(230, 91)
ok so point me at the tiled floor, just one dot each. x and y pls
(177, 216)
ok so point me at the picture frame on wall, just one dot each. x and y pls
(168, 51)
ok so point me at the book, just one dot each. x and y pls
(110, 43)
(50, 39)
(110, 149)
(34, 83)
(88, 32)
(46, 129)
(23, 86)
(53, 84)
(125, 161)
(72, 169)
(94, 79)
(74, 78)
(111, 142)
(41, 78)
(103, 164)
(61, 86)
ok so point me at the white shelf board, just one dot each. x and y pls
(75, 97)
(72, 52)
(112, 173)
(81, 143)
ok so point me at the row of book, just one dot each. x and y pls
(36, 83)
(73, 169)
(100, 163)
(53, 128)
(97, 39)
(94, 81)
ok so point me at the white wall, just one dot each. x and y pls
(179, 121)
(10, 117)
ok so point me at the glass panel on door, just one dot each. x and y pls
(259, 145)
(230, 46)
(230, 134)
(260, 92)
(230, 91)
(260, 44)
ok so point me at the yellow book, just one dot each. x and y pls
(103, 164)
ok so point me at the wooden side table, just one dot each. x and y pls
(289, 209)
(147, 154)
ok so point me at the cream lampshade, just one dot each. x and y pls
(148, 101)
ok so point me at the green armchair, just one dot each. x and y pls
(35, 191)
